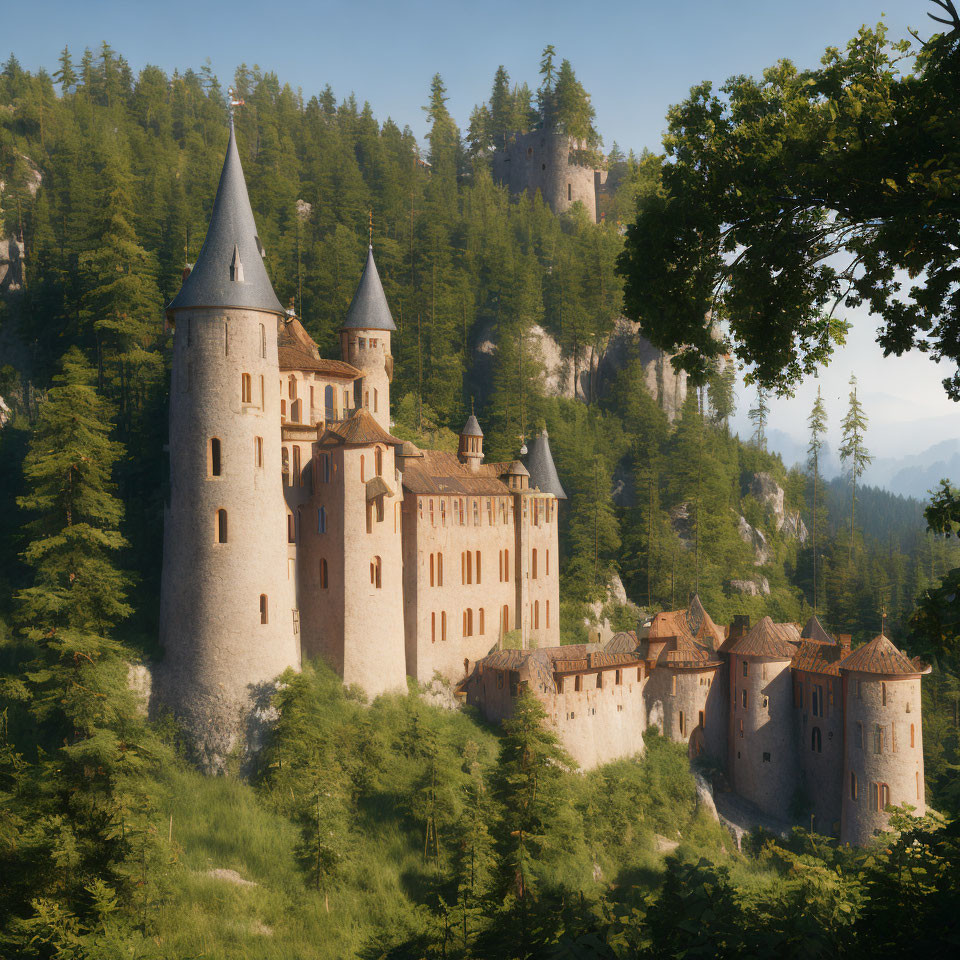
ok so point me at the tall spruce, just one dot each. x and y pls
(758, 415)
(853, 453)
(817, 422)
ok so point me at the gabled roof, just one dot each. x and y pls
(439, 473)
(471, 428)
(543, 471)
(776, 641)
(624, 642)
(360, 430)
(369, 310)
(231, 248)
(297, 350)
(880, 656)
(701, 624)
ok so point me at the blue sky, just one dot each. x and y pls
(636, 59)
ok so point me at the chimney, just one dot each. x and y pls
(740, 626)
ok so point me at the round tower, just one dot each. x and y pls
(763, 759)
(883, 742)
(365, 343)
(228, 625)
(470, 451)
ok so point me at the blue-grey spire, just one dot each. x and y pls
(543, 472)
(369, 310)
(230, 271)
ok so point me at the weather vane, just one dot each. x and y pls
(235, 101)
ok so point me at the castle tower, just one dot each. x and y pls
(365, 343)
(362, 623)
(543, 471)
(883, 742)
(763, 757)
(228, 625)
(470, 451)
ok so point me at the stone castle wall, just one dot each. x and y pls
(879, 751)
(218, 656)
(540, 161)
(818, 713)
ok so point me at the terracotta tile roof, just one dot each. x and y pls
(625, 642)
(816, 657)
(685, 652)
(359, 430)
(880, 656)
(539, 666)
(813, 630)
(777, 641)
(597, 660)
(438, 473)
(297, 350)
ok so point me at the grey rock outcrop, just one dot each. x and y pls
(756, 587)
(755, 538)
(770, 495)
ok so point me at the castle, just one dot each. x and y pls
(298, 526)
(547, 160)
(794, 717)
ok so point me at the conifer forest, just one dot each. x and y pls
(399, 829)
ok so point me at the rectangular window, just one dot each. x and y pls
(618, 679)
(878, 739)
(600, 680)
(745, 666)
(854, 791)
(431, 569)
(673, 684)
(433, 624)
(548, 614)
(258, 451)
(743, 698)
(741, 728)
(246, 388)
(577, 683)
(766, 757)
(816, 700)
(478, 565)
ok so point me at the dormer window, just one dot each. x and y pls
(236, 266)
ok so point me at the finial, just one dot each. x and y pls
(235, 101)
(883, 617)
(371, 226)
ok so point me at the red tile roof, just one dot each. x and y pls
(359, 430)
(775, 641)
(881, 657)
(439, 473)
(297, 350)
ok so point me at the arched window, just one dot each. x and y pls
(506, 566)
(375, 399)
(912, 737)
(328, 408)
(378, 461)
(878, 739)
(322, 520)
(879, 796)
(469, 567)
(362, 469)
(324, 581)
(431, 570)
(443, 625)
(480, 626)
(478, 565)
(285, 465)
(533, 564)
(296, 465)
(536, 614)
(683, 725)
(505, 619)
(263, 608)
(221, 526)
(375, 572)
(816, 741)
(439, 569)
(883, 693)
(246, 388)
(292, 387)
(213, 457)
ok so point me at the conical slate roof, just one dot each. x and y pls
(882, 657)
(368, 309)
(230, 271)
(543, 472)
(814, 631)
(471, 428)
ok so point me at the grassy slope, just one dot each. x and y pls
(225, 823)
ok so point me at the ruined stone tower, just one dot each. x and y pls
(365, 343)
(227, 620)
(545, 160)
(883, 744)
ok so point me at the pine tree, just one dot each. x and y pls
(757, 415)
(818, 426)
(853, 454)
(66, 76)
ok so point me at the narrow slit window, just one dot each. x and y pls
(246, 388)
(264, 613)
(214, 460)
(258, 451)
(221, 526)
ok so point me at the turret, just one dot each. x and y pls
(228, 623)
(763, 760)
(883, 743)
(470, 451)
(543, 471)
(365, 343)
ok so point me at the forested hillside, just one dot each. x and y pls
(109, 178)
